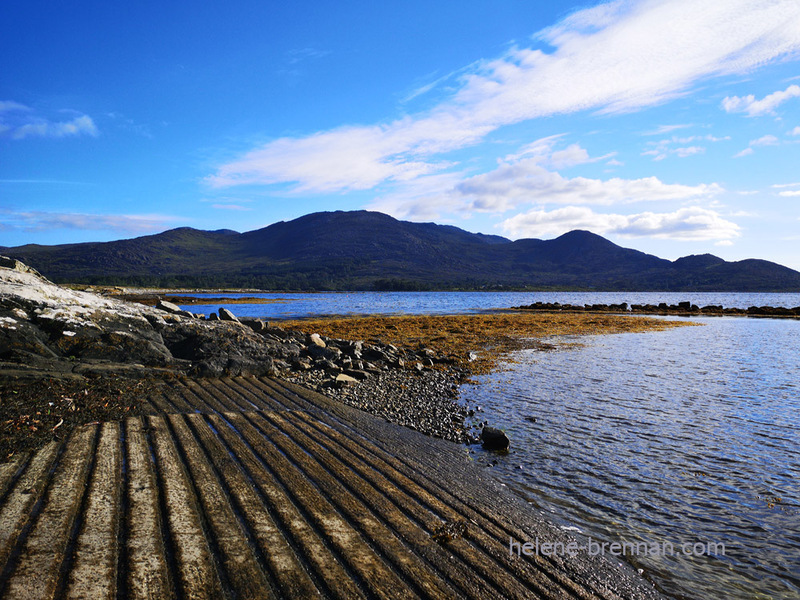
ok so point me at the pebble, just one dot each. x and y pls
(426, 402)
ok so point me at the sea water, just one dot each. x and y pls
(663, 439)
(289, 305)
(684, 436)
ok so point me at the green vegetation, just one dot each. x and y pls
(372, 251)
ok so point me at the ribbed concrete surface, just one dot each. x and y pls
(253, 488)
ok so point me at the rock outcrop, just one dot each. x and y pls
(48, 328)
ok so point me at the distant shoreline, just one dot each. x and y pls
(682, 309)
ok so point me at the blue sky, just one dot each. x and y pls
(670, 126)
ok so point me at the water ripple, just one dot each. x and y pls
(686, 435)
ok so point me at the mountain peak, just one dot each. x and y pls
(344, 250)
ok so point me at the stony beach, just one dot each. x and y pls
(284, 461)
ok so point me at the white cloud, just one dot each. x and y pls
(786, 185)
(661, 149)
(765, 106)
(42, 128)
(691, 223)
(689, 151)
(795, 131)
(542, 151)
(11, 106)
(527, 181)
(662, 129)
(18, 122)
(528, 178)
(43, 221)
(616, 57)
(789, 193)
(764, 140)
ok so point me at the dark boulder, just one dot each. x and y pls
(494, 439)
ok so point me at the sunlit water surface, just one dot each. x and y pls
(686, 435)
(296, 305)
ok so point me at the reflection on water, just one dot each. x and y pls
(686, 435)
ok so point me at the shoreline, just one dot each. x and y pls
(140, 476)
(253, 487)
(427, 358)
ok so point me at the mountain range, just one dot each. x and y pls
(369, 250)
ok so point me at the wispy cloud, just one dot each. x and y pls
(18, 122)
(691, 223)
(527, 181)
(678, 146)
(43, 182)
(765, 106)
(298, 55)
(618, 57)
(663, 129)
(795, 131)
(529, 177)
(764, 140)
(237, 207)
(33, 221)
(11, 106)
(789, 193)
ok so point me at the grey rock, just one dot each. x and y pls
(301, 364)
(327, 365)
(315, 340)
(330, 353)
(257, 325)
(226, 315)
(168, 307)
(15, 265)
(343, 380)
(357, 374)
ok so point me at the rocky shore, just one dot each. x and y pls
(679, 309)
(80, 343)
(149, 452)
(403, 369)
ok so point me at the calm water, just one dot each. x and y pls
(681, 436)
(291, 306)
(688, 435)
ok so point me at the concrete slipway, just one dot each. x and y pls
(256, 488)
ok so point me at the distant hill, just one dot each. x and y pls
(370, 250)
